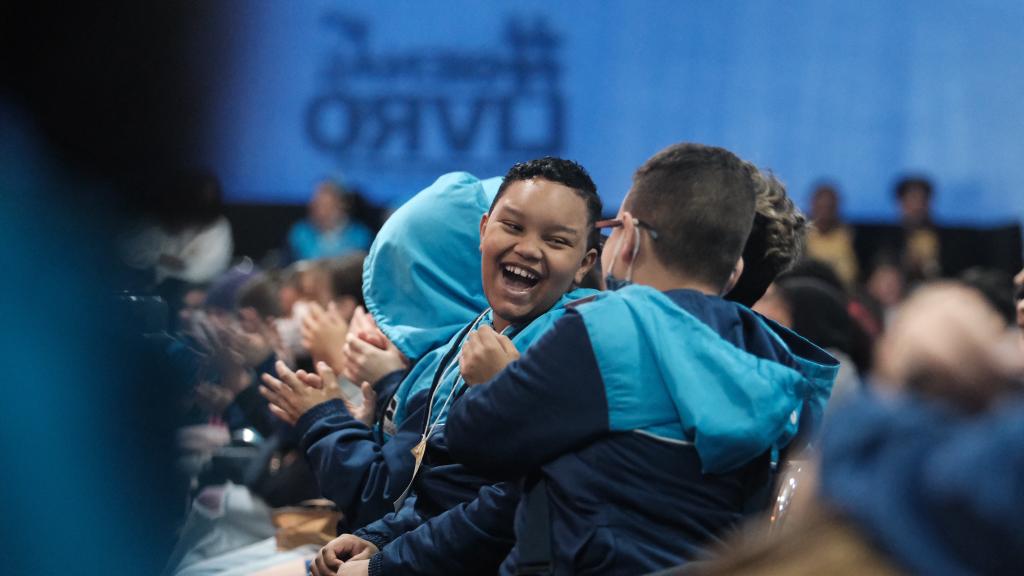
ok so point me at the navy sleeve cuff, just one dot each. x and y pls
(377, 540)
(389, 381)
(376, 566)
(330, 408)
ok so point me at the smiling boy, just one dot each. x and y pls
(536, 242)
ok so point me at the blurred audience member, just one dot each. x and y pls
(329, 230)
(818, 312)
(775, 243)
(191, 239)
(920, 253)
(923, 478)
(949, 343)
(865, 316)
(830, 239)
(996, 287)
(1018, 294)
(886, 285)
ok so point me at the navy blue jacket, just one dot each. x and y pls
(456, 522)
(354, 466)
(620, 501)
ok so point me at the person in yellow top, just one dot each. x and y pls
(830, 239)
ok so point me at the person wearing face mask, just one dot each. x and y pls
(645, 421)
(463, 539)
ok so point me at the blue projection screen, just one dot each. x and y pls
(387, 96)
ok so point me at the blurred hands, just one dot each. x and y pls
(366, 329)
(340, 553)
(484, 354)
(212, 398)
(946, 341)
(323, 334)
(295, 393)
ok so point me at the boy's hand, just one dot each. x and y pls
(364, 326)
(291, 396)
(484, 354)
(323, 334)
(344, 549)
(366, 362)
(326, 378)
(355, 568)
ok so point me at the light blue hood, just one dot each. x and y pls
(421, 279)
(670, 372)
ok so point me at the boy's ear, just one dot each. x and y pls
(628, 250)
(588, 262)
(483, 225)
(737, 271)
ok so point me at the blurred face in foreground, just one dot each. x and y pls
(533, 248)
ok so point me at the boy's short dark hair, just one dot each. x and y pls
(700, 200)
(560, 171)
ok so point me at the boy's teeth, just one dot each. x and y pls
(520, 272)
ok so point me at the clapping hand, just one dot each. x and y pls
(295, 393)
(323, 334)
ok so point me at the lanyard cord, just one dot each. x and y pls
(448, 363)
(452, 364)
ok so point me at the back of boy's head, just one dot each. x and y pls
(559, 171)
(775, 243)
(700, 200)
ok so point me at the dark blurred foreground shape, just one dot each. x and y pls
(95, 100)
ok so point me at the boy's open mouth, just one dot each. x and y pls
(518, 278)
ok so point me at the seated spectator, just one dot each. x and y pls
(776, 241)
(329, 230)
(830, 239)
(630, 465)
(922, 477)
(885, 287)
(920, 253)
(536, 246)
(187, 244)
(192, 239)
(997, 287)
(1018, 294)
(818, 312)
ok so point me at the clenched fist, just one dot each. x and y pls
(484, 354)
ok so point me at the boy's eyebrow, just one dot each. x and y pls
(554, 228)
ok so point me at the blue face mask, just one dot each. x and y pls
(612, 283)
